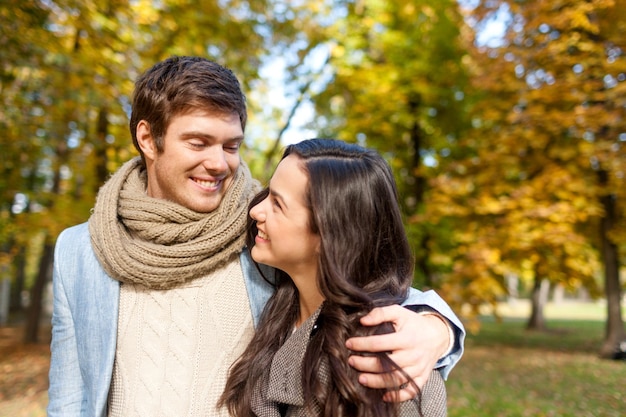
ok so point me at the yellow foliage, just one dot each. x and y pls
(145, 13)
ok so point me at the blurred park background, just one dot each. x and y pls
(504, 122)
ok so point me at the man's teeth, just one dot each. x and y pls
(208, 184)
(263, 235)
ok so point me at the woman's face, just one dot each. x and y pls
(284, 239)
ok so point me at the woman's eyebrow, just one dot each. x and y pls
(278, 196)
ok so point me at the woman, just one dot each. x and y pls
(330, 223)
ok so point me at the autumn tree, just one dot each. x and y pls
(22, 55)
(66, 79)
(551, 127)
(398, 86)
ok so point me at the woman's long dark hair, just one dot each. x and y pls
(365, 261)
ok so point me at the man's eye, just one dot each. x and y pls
(232, 148)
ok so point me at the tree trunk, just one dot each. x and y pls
(31, 333)
(422, 254)
(102, 130)
(614, 324)
(19, 261)
(417, 140)
(5, 288)
(539, 299)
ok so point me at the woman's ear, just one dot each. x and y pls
(145, 140)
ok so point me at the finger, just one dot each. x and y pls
(405, 393)
(395, 384)
(391, 381)
(371, 374)
(376, 343)
(365, 364)
(380, 315)
(412, 365)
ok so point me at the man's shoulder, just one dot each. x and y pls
(77, 231)
(254, 271)
(73, 240)
(75, 260)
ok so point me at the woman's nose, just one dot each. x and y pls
(257, 212)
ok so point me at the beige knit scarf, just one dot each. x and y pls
(158, 243)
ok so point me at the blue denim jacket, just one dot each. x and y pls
(84, 324)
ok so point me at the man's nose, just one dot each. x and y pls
(215, 159)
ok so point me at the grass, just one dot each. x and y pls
(508, 371)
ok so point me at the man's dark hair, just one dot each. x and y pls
(179, 85)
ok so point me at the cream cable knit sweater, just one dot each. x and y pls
(175, 346)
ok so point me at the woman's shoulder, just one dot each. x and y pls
(431, 401)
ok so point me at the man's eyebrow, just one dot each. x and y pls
(208, 136)
(238, 138)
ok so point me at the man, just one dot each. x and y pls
(155, 297)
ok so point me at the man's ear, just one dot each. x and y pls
(145, 140)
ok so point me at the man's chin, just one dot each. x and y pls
(207, 206)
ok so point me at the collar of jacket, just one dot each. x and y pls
(285, 378)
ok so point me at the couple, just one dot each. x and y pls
(157, 296)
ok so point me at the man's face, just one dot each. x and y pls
(199, 159)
